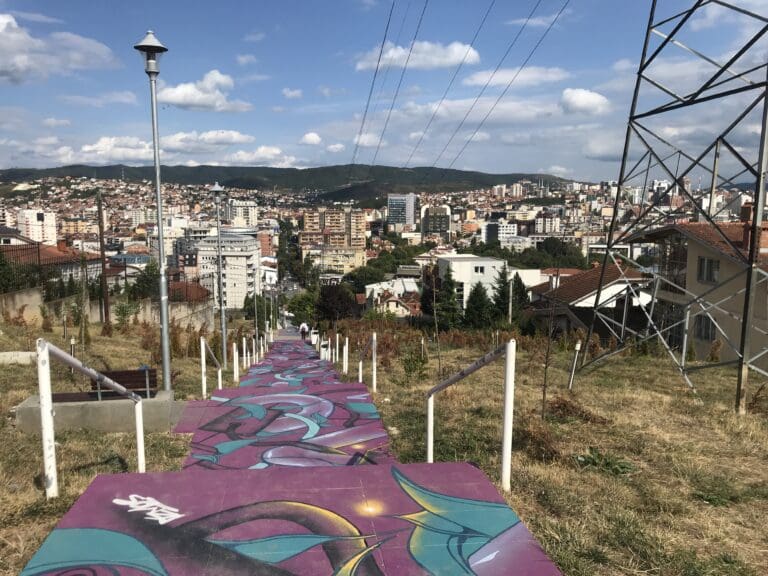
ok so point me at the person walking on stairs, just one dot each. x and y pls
(303, 329)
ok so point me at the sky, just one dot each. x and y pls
(285, 82)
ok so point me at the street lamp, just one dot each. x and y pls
(151, 48)
(217, 191)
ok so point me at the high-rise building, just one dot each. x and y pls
(436, 220)
(402, 208)
(241, 260)
(334, 227)
(38, 225)
(242, 212)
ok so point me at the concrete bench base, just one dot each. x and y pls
(160, 415)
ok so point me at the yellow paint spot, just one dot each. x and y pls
(370, 508)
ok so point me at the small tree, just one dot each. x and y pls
(501, 290)
(302, 306)
(519, 297)
(335, 302)
(447, 308)
(479, 312)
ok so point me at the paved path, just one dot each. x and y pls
(290, 474)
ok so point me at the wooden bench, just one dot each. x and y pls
(143, 382)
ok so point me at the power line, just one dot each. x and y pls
(488, 82)
(399, 84)
(370, 91)
(450, 83)
(509, 84)
(383, 82)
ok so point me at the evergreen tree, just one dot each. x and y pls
(519, 296)
(147, 282)
(302, 306)
(501, 296)
(448, 310)
(427, 291)
(480, 309)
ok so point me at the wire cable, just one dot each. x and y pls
(399, 84)
(488, 82)
(450, 83)
(512, 81)
(370, 91)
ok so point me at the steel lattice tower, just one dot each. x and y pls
(699, 112)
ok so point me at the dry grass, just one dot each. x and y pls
(674, 484)
(27, 517)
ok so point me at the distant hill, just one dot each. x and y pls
(344, 182)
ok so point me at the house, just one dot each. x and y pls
(701, 287)
(571, 299)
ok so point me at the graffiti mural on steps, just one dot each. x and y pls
(448, 520)
(252, 500)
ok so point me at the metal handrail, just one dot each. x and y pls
(46, 351)
(509, 349)
(204, 381)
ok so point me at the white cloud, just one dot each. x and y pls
(253, 78)
(530, 76)
(580, 101)
(209, 93)
(36, 17)
(108, 149)
(191, 142)
(278, 109)
(254, 37)
(624, 65)
(55, 122)
(311, 139)
(23, 56)
(558, 170)
(481, 137)
(524, 110)
(368, 140)
(538, 21)
(416, 135)
(246, 59)
(425, 56)
(262, 156)
(335, 148)
(101, 100)
(292, 94)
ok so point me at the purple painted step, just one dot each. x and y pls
(400, 520)
(290, 410)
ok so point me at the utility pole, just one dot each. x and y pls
(106, 329)
(216, 189)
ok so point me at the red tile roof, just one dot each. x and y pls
(576, 287)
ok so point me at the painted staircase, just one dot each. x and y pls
(290, 474)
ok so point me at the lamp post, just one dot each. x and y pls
(217, 190)
(151, 48)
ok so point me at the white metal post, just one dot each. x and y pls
(253, 350)
(336, 350)
(345, 363)
(245, 354)
(50, 478)
(373, 362)
(575, 362)
(360, 371)
(509, 413)
(218, 377)
(138, 411)
(422, 347)
(235, 364)
(203, 382)
(431, 429)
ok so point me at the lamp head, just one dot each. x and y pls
(151, 48)
(217, 191)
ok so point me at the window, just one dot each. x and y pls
(704, 328)
(479, 269)
(709, 270)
